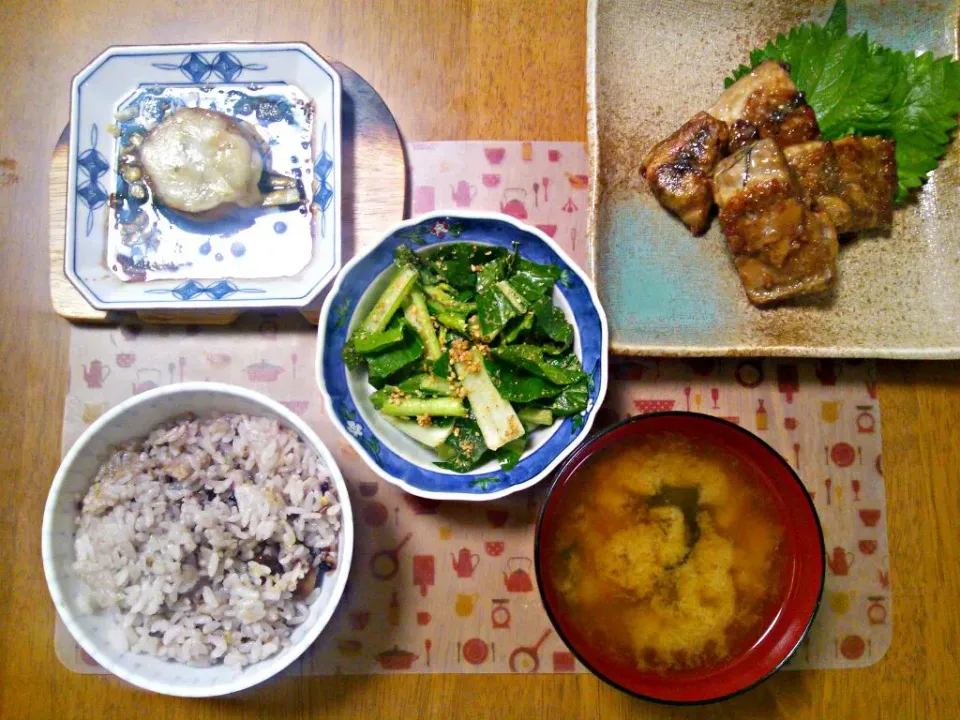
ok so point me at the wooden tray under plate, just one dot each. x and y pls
(374, 193)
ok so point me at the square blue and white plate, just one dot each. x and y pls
(396, 457)
(127, 255)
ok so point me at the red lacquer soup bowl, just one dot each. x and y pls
(787, 620)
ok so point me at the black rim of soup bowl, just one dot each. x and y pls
(577, 458)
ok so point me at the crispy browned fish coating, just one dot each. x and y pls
(679, 169)
(781, 248)
(766, 104)
(763, 104)
(853, 180)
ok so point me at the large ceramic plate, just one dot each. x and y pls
(651, 66)
(391, 454)
(276, 257)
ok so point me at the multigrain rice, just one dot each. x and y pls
(209, 539)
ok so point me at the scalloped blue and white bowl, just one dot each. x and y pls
(396, 457)
(135, 418)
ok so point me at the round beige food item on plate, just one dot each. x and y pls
(196, 160)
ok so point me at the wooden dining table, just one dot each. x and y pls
(449, 70)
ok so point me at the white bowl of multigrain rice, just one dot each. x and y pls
(292, 507)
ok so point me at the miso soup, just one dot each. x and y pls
(667, 553)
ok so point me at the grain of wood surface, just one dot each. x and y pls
(466, 69)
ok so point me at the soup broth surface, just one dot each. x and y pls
(667, 553)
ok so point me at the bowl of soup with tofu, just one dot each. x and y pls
(680, 557)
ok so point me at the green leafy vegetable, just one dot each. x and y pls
(463, 449)
(560, 371)
(856, 86)
(517, 327)
(491, 273)
(389, 362)
(517, 386)
(495, 310)
(571, 401)
(552, 322)
(509, 455)
(462, 299)
(466, 296)
(454, 264)
(441, 368)
(533, 280)
(925, 101)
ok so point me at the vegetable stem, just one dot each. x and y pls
(374, 342)
(416, 313)
(495, 416)
(407, 406)
(388, 304)
(515, 298)
(436, 385)
(432, 436)
(526, 322)
(449, 318)
(444, 299)
(476, 332)
(536, 416)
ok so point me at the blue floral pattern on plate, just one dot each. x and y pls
(216, 291)
(324, 195)
(90, 191)
(337, 316)
(224, 66)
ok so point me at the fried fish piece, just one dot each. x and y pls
(679, 169)
(762, 104)
(853, 180)
(766, 104)
(781, 248)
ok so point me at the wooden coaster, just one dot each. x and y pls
(373, 197)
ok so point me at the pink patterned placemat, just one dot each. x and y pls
(449, 587)
(543, 184)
